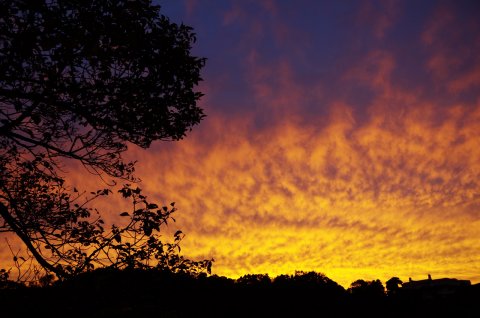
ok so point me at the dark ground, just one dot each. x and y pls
(155, 294)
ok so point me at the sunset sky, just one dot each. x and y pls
(341, 137)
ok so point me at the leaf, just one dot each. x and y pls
(152, 206)
(36, 119)
(209, 267)
(126, 192)
(124, 214)
(117, 238)
(147, 230)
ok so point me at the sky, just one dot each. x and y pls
(341, 137)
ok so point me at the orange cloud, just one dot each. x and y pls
(395, 194)
(466, 81)
(352, 201)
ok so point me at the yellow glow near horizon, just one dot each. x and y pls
(389, 200)
(383, 202)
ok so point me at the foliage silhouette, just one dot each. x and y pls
(367, 289)
(80, 80)
(393, 285)
(163, 293)
(254, 279)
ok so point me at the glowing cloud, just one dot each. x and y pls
(369, 201)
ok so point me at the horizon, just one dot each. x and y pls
(346, 286)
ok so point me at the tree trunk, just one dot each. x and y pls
(24, 237)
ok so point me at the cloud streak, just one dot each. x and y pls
(329, 198)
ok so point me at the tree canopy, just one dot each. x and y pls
(81, 80)
(370, 289)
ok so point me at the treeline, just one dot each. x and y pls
(154, 293)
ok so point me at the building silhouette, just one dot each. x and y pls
(435, 288)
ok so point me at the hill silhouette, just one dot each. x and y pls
(155, 293)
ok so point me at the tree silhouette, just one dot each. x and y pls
(80, 80)
(367, 289)
(181, 294)
(254, 280)
(393, 285)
